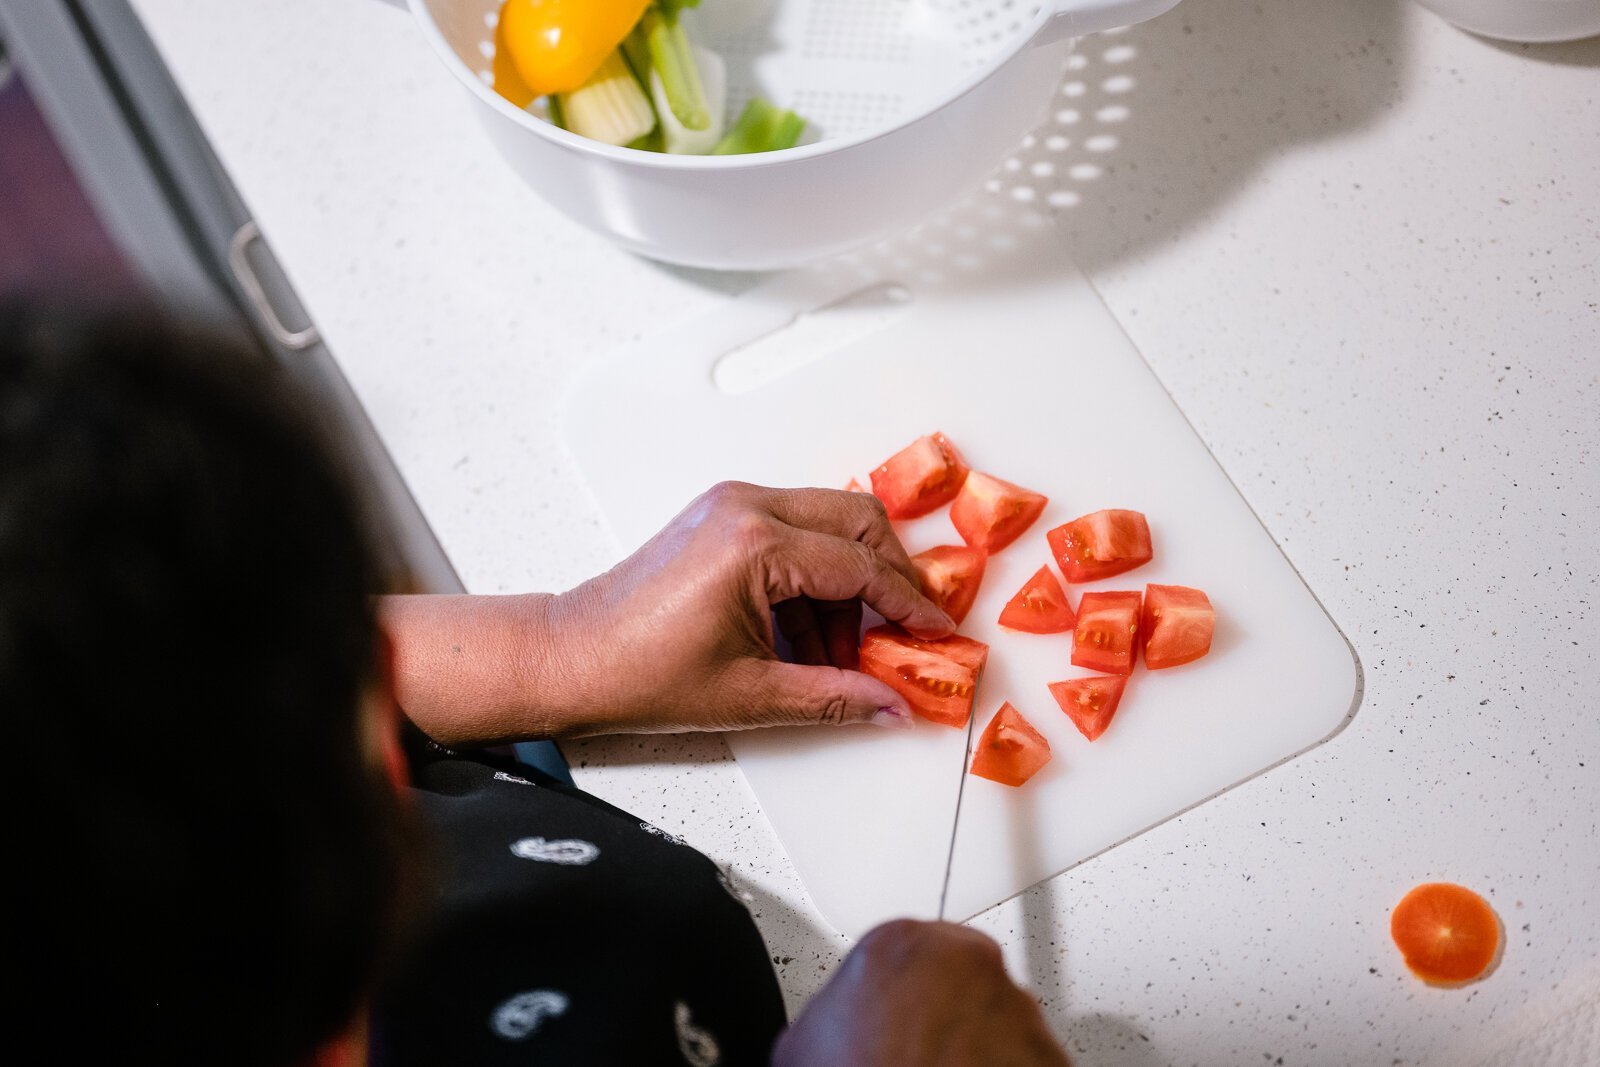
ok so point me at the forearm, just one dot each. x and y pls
(481, 670)
(679, 636)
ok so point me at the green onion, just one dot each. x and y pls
(672, 7)
(762, 127)
(610, 106)
(678, 139)
(650, 142)
(672, 58)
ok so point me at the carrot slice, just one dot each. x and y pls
(1448, 934)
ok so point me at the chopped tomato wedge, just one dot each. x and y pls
(937, 678)
(1010, 750)
(1175, 626)
(1103, 639)
(951, 575)
(1448, 934)
(1101, 544)
(924, 475)
(1089, 702)
(990, 514)
(853, 486)
(1040, 607)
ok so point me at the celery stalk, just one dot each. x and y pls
(610, 106)
(678, 139)
(654, 141)
(636, 50)
(672, 59)
(762, 127)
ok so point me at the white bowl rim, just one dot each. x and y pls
(667, 161)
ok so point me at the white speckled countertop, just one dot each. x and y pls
(1359, 248)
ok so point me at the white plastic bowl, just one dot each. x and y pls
(976, 75)
(1529, 21)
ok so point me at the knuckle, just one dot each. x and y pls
(890, 942)
(835, 709)
(863, 557)
(959, 948)
(875, 508)
(866, 516)
(978, 955)
(749, 531)
(727, 493)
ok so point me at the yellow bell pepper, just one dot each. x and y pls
(557, 45)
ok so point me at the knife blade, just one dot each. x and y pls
(961, 788)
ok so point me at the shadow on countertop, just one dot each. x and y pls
(1584, 53)
(1158, 125)
(1178, 116)
(1092, 1039)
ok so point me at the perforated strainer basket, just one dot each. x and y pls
(911, 103)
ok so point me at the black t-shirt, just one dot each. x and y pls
(566, 931)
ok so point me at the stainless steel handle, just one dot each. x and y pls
(245, 275)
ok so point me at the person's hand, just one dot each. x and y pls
(916, 994)
(679, 636)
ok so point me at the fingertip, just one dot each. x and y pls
(930, 622)
(892, 718)
(876, 703)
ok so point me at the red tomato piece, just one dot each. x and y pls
(1010, 750)
(951, 575)
(924, 475)
(1089, 702)
(853, 486)
(1104, 638)
(1040, 607)
(990, 514)
(1175, 626)
(937, 678)
(1101, 544)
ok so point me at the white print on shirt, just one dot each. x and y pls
(569, 853)
(523, 1014)
(699, 1048)
(659, 832)
(502, 776)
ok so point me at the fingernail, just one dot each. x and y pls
(893, 718)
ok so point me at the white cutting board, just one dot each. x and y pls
(1005, 347)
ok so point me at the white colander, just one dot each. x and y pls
(911, 102)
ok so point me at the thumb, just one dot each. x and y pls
(789, 694)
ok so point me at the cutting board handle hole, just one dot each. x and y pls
(810, 336)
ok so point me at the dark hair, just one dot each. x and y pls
(202, 864)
